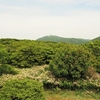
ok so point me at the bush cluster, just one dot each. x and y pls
(24, 89)
(27, 53)
(72, 64)
(94, 47)
(7, 69)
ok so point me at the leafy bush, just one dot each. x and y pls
(66, 85)
(7, 69)
(30, 55)
(80, 85)
(94, 47)
(72, 64)
(3, 55)
(27, 53)
(24, 89)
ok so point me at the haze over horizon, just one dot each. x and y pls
(32, 19)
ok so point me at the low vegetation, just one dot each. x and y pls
(72, 64)
(71, 95)
(7, 69)
(57, 66)
(51, 83)
(24, 89)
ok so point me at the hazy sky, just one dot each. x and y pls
(32, 19)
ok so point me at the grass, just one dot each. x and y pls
(71, 95)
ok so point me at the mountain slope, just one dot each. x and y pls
(54, 38)
(96, 39)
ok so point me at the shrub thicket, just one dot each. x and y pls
(27, 53)
(72, 64)
(24, 89)
(7, 69)
(29, 56)
(94, 47)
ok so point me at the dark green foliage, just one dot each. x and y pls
(72, 63)
(7, 69)
(79, 85)
(94, 47)
(3, 55)
(24, 89)
(30, 55)
(7, 41)
(26, 53)
(67, 85)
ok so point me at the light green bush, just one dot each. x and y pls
(24, 89)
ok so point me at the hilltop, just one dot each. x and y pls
(54, 38)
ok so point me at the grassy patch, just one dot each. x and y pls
(71, 95)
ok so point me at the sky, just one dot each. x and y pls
(32, 19)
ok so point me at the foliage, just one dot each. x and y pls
(22, 90)
(80, 85)
(7, 69)
(28, 56)
(94, 47)
(72, 64)
(27, 53)
(68, 62)
(3, 55)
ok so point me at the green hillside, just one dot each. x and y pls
(54, 38)
(96, 39)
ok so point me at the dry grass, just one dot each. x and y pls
(37, 73)
(91, 73)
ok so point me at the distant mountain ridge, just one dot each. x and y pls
(96, 39)
(54, 38)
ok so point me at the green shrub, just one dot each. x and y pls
(7, 69)
(3, 55)
(94, 47)
(80, 85)
(72, 64)
(30, 55)
(24, 89)
(66, 85)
